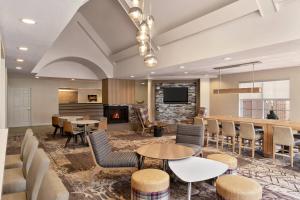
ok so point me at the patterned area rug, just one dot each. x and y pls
(75, 167)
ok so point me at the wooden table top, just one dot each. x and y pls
(85, 122)
(165, 151)
(293, 125)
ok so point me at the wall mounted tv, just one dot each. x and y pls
(176, 95)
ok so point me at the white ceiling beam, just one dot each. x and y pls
(226, 14)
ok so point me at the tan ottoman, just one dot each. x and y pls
(230, 187)
(226, 159)
(150, 184)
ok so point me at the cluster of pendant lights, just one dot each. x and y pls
(145, 25)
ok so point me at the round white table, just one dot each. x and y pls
(195, 169)
(85, 123)
(71, 118)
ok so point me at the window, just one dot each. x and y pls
(275, 94)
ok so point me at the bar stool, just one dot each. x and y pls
(150, 184)
(283, 136)
(231, 187)
(229, 133)
(213, 132)
(247, 133)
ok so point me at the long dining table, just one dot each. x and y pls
(266, 124)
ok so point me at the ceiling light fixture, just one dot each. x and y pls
(73, 79)
(131, 76)
(28, 21)
(227, 59)
(143, 48)
(136, 14)
(19, 60)
(37, 77)
(186, 72)
(19, 68)
(152, 72)
(23, 48)
(181, 67)
(150, 60)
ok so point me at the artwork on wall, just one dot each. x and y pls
(92, 98)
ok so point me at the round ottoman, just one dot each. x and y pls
(150, 184)
(234, 187)
(226, 159)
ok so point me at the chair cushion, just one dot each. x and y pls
(121, 159)
(15, 196)
(52, 188)
(224, 158)
(190, 134)
(197, 149)
(14, 181)
(13, 161)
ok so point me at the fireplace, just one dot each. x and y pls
(116, 114)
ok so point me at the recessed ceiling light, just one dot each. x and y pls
(23, 48)
(181, 67)
(227, 58)
(152, 72)
(28, 21)
(131, 76)
(37, 77)
(20, 60)
(143, 83)
(186, 72)
(73, 79)
(19, 68)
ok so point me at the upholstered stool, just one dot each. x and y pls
(230, 187)
(226, 159)
(150, 184)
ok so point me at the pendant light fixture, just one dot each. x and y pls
(143, 48)
(252, 89)
(150, 59)
(136, 14)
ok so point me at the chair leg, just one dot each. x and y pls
(207, 137)
(55, 130)
(274, 150)
(292, 155)
(61, 131)
(75, 138)
(68, 140)
(253, 147)
(81, 137)
(222, 142)
(233, 144)
(240, 145)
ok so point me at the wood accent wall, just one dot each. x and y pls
(68, 96)
(118, 91)
(93, 110)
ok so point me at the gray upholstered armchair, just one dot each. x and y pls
(191, 136)
(103, 155)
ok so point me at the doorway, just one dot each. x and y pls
(19, 107)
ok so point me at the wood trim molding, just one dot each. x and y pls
(237, 90)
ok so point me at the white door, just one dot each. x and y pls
(19, 107)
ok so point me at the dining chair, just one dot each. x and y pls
(213, 132)
(283, 136)
(229, 134)
(57, 189)
(199, 121)
(56, 124)
(248, 137)
(71, 133)
(16, 161)
(191, 136)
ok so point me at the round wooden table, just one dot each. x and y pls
(164, 152)
(85, 123)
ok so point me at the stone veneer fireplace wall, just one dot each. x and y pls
(175, 112)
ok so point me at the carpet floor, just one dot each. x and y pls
(75, 167)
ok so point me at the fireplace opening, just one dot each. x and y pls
(116, 114)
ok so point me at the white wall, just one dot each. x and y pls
(3, 88)
(45, 94)
(228, 104)
(205, 94)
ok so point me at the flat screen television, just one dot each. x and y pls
(176, 95)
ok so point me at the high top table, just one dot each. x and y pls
(195, 169)
(165, 152)
(267, 125)
(85, 123)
